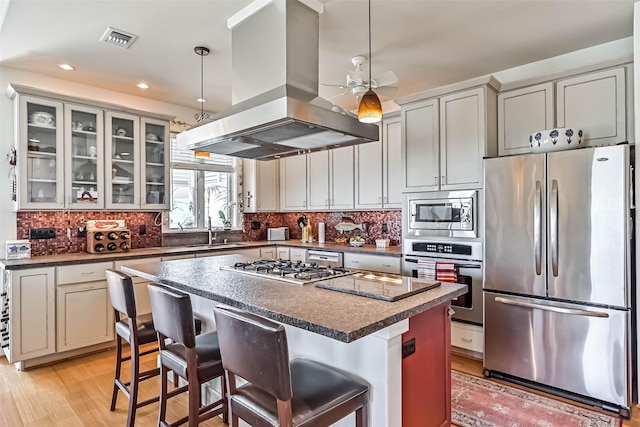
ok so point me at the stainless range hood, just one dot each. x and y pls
(276, 111)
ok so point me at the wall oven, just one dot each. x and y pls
(467, 258)
(442, 213)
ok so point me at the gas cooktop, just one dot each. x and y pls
(296, 272)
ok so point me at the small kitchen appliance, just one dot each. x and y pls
(107, 236)
(278, 233)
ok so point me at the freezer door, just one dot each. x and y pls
(575, 348)
(515, 224)
(588, 253)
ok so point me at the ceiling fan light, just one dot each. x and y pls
(370, 108)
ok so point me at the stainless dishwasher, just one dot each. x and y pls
(331, 259)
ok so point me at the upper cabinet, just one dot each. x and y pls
(330, 179)
(391, 163)
(445, 139)
(260, 185)
(595, 102)
(293, 183)
(74, 155)
(522, 112)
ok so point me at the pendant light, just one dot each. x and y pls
(370, 109)
(202, 52)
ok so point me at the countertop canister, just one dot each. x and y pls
(321, 232)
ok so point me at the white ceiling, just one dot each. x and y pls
(427, 43)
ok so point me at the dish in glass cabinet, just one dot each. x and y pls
(42, 118)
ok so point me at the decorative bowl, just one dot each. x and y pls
(356, 243)
(42, 118)
(557, 139)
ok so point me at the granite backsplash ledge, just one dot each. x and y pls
(376, 219)
(64, 220)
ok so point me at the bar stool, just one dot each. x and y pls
(194, 358)
(280, 392)
(135, 330)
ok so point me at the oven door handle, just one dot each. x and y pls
(476, 266)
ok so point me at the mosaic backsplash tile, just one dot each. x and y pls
(61, 221)
(393, 219)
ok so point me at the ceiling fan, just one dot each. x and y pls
(356, 81)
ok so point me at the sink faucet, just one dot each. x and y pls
(215, 235)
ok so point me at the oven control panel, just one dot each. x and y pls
(441, 248)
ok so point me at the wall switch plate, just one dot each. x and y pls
(408, 348)
(142, 229)
(42, 233)
(385, 227)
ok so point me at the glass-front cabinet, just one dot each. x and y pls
(155, 170)
(84, 148)
(123, 160)
(40, 153)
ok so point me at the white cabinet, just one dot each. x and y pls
(282, 253)
(378, 174)
(445, 140)
(260, 185)
(293, 183)
(467, 337)
(32, 316)
(123, 160)
(268, 253)
(522, 112)
(595, 103)
(154, 158)
(298, 254)
(379, 263)
(84, 312)
(420, 146)
(330, 179)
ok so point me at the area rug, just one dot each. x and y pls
(476, 402)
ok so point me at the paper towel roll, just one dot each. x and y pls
(321, 232)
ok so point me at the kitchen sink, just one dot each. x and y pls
(217, 245)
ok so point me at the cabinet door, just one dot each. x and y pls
(122, 161)
(266, 186)
(522, 112)
(84, 153)
(249, 185)
(32, 314)
(341, 179)
(462, 139)
(392, 163)
(594, 103)
(382, 264)
(40, 154)
(268, 253)
(283, 253)
(154, 156)
(293, 183)
(85, 315)
(369, 175)
(318, 180)
(298, 254)
(420, 146)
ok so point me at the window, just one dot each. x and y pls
(203, 190)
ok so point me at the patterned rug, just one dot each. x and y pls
(476, 402)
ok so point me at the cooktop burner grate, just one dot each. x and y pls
(297, 272)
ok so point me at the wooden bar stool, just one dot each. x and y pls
(194, 358)
(135, 330)
(280, 392)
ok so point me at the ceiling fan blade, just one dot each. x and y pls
(340, 94)
(388, 78)
(386, 90)
(330, 85)
(354, 78)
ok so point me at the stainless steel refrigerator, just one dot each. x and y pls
(557, 288)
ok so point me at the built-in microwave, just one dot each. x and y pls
(453, 212)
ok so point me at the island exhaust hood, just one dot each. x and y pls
(277, 111)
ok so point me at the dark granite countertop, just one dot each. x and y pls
(82, 258)
(343, 317)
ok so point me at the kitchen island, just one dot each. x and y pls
(357, 334)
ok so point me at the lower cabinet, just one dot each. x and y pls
(283, 253)
(379, 263)
(298, 254)
(268, 253)
(84, 311)
(467, 337)
(32, 331)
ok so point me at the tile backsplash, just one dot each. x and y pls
(393, 219)
(61, 221)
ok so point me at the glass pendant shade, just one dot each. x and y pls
(370, 109)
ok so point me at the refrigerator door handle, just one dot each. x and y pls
(553, 229)
(549, 306)
(537, 228)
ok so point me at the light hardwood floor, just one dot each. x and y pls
(78, 392)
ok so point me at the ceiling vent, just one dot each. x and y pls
(118, 37)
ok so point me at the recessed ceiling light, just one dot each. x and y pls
(143, 86)
(67, 67)
(201, 100)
